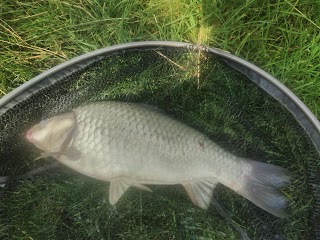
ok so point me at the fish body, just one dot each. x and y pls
(133, 145)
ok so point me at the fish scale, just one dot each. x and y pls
(125, 126)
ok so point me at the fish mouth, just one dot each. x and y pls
(29, 136)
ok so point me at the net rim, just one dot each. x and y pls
(263, 79)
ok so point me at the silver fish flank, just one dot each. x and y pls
(133, 145)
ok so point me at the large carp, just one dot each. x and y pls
(133, 145)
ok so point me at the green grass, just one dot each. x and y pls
(281, 37)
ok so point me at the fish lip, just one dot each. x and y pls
(29, 136)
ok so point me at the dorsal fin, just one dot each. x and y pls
(151, 108)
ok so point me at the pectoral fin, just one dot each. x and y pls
(72, 154)
(118, 186)
(43, 155)
(46, 155)
(200, 192)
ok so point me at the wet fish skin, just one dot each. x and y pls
(133, 145)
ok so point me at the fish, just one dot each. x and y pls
(136, 145)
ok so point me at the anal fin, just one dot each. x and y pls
(118, 186)
(201, 192)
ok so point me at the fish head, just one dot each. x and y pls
(53, 134)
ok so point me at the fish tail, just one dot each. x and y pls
(262, 185)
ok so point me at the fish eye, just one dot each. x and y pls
(43, 122)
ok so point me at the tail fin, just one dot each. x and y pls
(261, 186)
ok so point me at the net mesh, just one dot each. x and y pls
(201, 90)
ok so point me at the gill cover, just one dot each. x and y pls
(55, 134)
